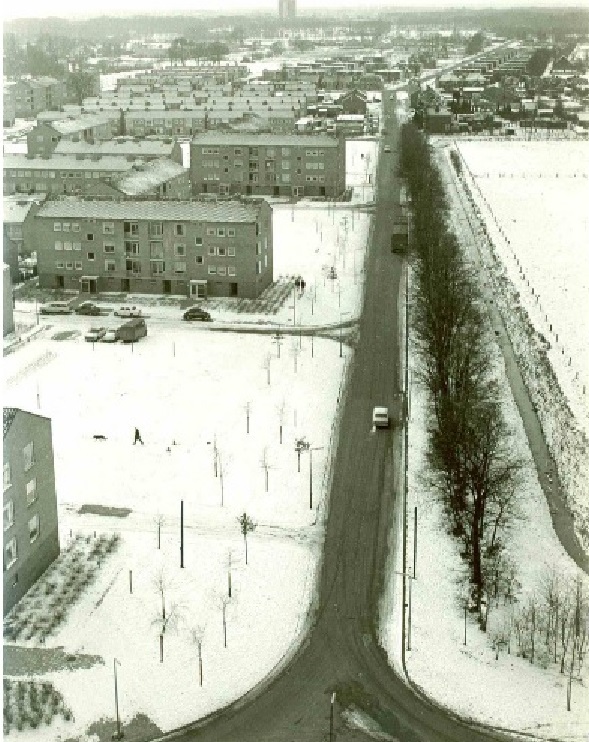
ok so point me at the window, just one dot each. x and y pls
(198, 241)
(67, 245)
(285, 165)
(131, 247)
(157, 267)
(156, 229)
(212, 270)
(65, 227)
(90, 256)
(286, 151)
(221, 270)
(212, 250)
(231, 270)
(10, 555)
(59, 264)
(31, 491)
(221, 232)
(108, 247)
(237, 151)
(78, 265)
(33, 528)
(179, 266)
(199, 260)
(28, 455)
(133, 266)
(58, 245)
(221, 252)
(231, 252)
(8, 515)
(108, 228)
(69, 265)
(237, 163)
(179, 230)
(75, 227)
(130, 228)
(211, 231)
(180, 250)
(7, 476)
(89, 237)
(57, 226)
(110, 266)
(76, 245)
(231, 232)
(156, 250)
(286, 177)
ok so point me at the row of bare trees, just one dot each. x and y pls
(469, 444)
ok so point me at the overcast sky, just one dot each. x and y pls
(68, 8)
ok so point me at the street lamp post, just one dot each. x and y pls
(411, 577)
(119, 733)
(331, 715)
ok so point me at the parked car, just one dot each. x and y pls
(128, 311)
(110, 336)
(88, 308)
(196, 314)
(380, 417)
(56, 307)
(387, 148)
(94, 334)
(133, 330)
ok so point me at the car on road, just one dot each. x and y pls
(387, 149)
(196, 314)
(380, 417)
(56, 307)
(110, 336)
(88, 308)
(128, 311)
(94, 334)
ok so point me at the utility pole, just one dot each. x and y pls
(119, 733)
(182, 534)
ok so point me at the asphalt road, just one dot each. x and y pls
(341, 652)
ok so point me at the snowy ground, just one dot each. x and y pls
(533, 197)
(508, 692)
(182, 388)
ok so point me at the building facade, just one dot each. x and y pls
(44, 137)
(268, 164)
(31, 537)
(31, 96)
(187, 248)
(287, 10)
(7, 308)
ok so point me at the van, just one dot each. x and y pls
(128, 311)
(133, 330)
(56, 307)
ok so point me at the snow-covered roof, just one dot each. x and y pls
(146, 177)
(253, 140)
(198, 211)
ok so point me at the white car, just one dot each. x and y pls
(94, 334)
(110, 336)
(380, 417)
(56, 307)
(128, 311)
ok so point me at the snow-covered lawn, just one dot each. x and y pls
(182, 387)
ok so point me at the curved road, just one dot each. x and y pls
(341, 651)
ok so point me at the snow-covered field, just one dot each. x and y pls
(540, 277)
(534, 198)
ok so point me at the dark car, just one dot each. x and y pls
(88, 308)
(196, 314)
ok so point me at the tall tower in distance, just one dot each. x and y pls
(287, 9)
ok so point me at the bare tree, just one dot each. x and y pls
(295, 352)
(267, 364)
(196, 637)
(281, 415)
(248, 408)
(265, 465)
(224, 601)
(246, 525)
(221, 470)
(165, 621)
(159, 521)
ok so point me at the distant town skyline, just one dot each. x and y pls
(68, 9)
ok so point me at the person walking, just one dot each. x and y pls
(137, 437)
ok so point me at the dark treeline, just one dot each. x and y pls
(469, 444)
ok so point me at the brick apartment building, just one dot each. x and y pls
(44, 137)
(268, 164)
(31, 537)
(188, 248)
(71, 175)
(31, 96)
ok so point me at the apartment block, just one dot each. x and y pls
(268, 164)
(38, 94)
(31, 537)
(44, 137)
(187, 248)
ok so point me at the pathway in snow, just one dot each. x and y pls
(465, 222)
